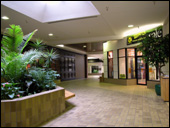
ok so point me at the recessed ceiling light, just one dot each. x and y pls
(84, 46)
(130, 26)
(5, 18)
(50, 34)
(61, 45)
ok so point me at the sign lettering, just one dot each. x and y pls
(137, 38)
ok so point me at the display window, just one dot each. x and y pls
(126, 63)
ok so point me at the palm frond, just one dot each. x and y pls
(26, 40)
(38, 45)
(12, 38)
(31, 55)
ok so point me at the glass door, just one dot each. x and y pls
(141, 71)
(110, 64)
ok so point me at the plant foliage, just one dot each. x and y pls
(23, 79)
(155, 51)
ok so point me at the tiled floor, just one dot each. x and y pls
(107, 105)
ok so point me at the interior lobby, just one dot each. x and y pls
(108, 82)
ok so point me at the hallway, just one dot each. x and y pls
(107, 105)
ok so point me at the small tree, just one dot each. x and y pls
(155, 51)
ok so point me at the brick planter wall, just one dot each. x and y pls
(32, 110)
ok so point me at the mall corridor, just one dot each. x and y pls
(108, 105)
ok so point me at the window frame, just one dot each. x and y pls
(126, 62)
(108, 65)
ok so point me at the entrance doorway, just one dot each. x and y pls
(141, 71)
(110, 64)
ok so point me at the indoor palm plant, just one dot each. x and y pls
(14, 64)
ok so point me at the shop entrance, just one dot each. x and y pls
(110, 64)
(141, 70)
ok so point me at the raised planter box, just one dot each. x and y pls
(165, 88)
(30, 111)
(151, 84)
(120, 81)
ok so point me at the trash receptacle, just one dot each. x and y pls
(158, 89)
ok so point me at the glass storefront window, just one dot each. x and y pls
(122, 69)
(131, 52)
(121, 52)
(131, 67)
(139, 53)
(153, 73)
(127, 63)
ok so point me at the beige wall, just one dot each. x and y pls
(80, 66)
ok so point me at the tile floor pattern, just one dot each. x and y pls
(108, 105)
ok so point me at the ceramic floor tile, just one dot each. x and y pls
(108, 105)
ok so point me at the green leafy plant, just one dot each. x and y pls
(38, 45)
(44, 78)
(122, 76)
(49, 57)
(10, 91)
(17, 67)
(12, 40)
(12, 47)
(155, 51)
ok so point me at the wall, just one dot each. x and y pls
(100, 64)
(80, 66)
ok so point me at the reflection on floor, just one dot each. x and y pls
(108, 105)
(142, 81)
(94, 76)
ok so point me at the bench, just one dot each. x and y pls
(68, 95)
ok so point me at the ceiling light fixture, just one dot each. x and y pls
(5, 18)
(50, 34)
(61, 45)
(130, 26)
(84, 46)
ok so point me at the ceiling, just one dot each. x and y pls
(112, 22)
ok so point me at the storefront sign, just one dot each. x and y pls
(137, 38)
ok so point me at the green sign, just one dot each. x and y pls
(137, 38)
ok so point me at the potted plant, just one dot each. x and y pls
(156, 53)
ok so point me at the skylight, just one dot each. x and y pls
(52, 11)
